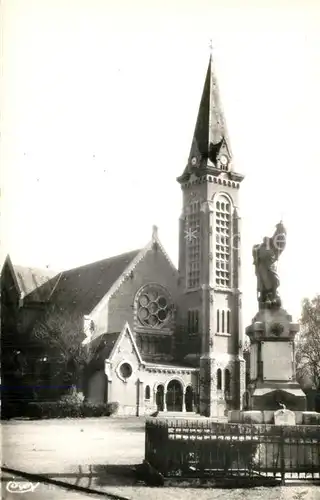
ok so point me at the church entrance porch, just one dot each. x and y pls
(174, 396)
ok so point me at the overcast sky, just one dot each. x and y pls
(99, 102)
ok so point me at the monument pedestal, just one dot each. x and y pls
(273, 390)
(272, 362)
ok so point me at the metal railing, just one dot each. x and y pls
(204, 448)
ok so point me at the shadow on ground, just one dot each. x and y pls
(91, 478)
(100, 477)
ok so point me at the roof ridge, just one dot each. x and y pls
(54, 272)
(165, 253)
(101, 260)
(121, 278)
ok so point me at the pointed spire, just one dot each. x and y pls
(210, 128)
(210, 138)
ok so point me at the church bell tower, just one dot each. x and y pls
(209, 259)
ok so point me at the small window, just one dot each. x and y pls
(126, 370)
(147, 392)
(219, 379)
(228, 321)
(222, 322)
(218, 320)
(227, 380)
(196, 321)
(193, 321)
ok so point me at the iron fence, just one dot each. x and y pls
(203, 448)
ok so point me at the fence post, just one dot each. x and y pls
(282, 457)
(146, 441)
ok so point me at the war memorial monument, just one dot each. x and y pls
(270, 441)
(273, 395)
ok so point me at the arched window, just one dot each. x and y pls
(147, 392)
(193, 321)
(228, 321)
(219, 379)
(218, 320)
(222, 322)
(227, 380)
(223, 239)
(193, 244)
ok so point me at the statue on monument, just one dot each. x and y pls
(265, 256)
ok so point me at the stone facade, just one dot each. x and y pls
(142, 387)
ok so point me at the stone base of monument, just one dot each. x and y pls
(273, 381)
(270, 395)
(279, 417)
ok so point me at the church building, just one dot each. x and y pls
(170, 340)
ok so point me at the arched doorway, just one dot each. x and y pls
(174, 396)
(160, 398)
(189, 398)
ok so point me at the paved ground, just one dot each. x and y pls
(99, 454)
(40, 491)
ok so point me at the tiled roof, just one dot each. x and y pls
(104, 344)
(84, 287)
(36, 284)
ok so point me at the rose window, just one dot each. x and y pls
(154, 307)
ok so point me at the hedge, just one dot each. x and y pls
(66, 409)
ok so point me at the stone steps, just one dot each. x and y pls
(177, 414)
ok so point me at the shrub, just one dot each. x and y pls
(95, 410)
(113, 407)
(73, 397)
(67, 407)
(99, 409)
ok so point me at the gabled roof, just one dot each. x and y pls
(7, 265)
(153, 243)
(125, 330)
(105, 346)
(35, 284)
(84, 287)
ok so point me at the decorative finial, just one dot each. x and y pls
(154, 232)
(210, 45)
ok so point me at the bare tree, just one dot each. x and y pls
(59, 333)
(308, 343)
